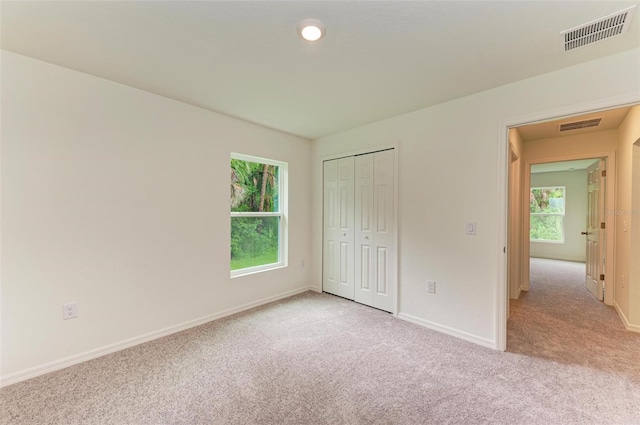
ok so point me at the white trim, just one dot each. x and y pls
(559, 257)
(625, 321)
(256, 214)
(361, 151)
(500, 292)
(447, 330)
(32, 372)
(610, 200)
(256, 269)
(258, 159)
(396, 229)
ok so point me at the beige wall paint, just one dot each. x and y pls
(575, 220)
(627, 295)
(514, 271)
(548, 150)
(448, 174)
(118, 199)
(634, 255)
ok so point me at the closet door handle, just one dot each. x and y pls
(344, 234)
(584, 233)
(366, 237)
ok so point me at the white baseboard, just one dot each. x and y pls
(625, 321)
(449, 331)
(520, 290)
(111, 348)
(559, 257)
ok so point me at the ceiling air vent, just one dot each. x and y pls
(609, 26)
(576, 125)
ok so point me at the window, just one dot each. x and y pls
(258, 214)
(546, 205)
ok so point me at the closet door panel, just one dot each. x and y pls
(364, 225)
(346, 227)
(330, 255)
(384, 230)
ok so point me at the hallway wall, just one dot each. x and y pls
(627, 219)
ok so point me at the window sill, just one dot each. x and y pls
(258, 269)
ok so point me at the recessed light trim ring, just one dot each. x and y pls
(311, 29)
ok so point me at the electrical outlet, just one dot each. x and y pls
(431, 287)
(69, 311)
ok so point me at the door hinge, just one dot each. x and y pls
(604, 173)
(602, 225)
(602, 277)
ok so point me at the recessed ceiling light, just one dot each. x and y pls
(311, 29)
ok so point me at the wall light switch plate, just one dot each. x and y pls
(431, 287)
(471, 228)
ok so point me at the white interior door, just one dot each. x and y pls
(384, 230)
(330, 248)
(346, 207)
(375, 230)
(595, 229)
(359, 252)
(364, 223)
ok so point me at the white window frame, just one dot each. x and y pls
(564, 191)
(282, 214)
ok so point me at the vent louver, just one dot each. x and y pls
(606, 27)
(576, 125)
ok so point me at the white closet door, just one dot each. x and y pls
(346, 227)
(331, 245)
(359, 259)
(364, 235)
(384, 230)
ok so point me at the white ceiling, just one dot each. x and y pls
(378, 59)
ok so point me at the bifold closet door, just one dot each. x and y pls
(374, 230)
(338, 249)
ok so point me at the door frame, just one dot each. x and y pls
(609, 219)
(362, 151)
(501, 313)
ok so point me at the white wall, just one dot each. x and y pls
(450, 157)
(118, 199)
(575, 220)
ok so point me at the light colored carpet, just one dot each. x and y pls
(319, 359)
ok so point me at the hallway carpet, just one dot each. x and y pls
(559, 320)
(318, 359)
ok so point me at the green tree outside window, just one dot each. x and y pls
(547, 209)
(256, 217)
